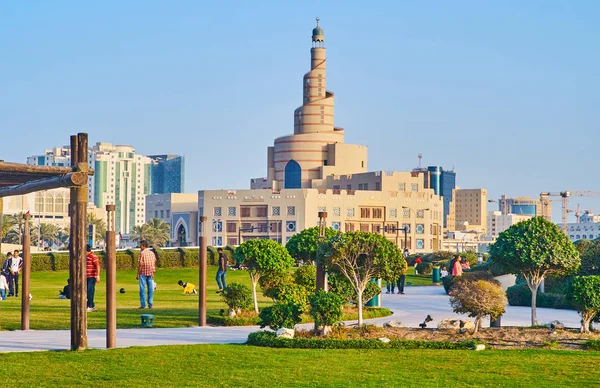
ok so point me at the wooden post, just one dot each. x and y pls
(321, 275)
(111, 278)
(26, 273)
(77, 264)
(202, 264)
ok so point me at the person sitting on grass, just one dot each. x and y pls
(188, 288)
(444, 272)
(3, 286)
(417, 262)
(66, 291)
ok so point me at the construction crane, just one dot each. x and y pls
(565, 202)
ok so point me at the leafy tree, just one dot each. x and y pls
(238, 297)
(306, 276)
(100, 234)
(585, 294)
(326, 309)
(590, 259)
(262, 257)
(341, 286)
(535, 248)
(360, 257)
(583, 245)
(478, 298)
(303, 246)
(280, 315)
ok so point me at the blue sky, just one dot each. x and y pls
(507, 92)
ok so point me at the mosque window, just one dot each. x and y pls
(293, 175)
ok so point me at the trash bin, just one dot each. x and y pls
(376, 300)
(435, 275)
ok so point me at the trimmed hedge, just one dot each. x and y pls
(520, 295)
(225, 320)
(128, 259)
(589, 344)
(269, 339)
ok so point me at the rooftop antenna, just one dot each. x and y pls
(420, 156)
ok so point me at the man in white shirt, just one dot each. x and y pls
(15, 265)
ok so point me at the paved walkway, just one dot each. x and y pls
(410, 309)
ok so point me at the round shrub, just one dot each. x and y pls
(272, 281)
(280, 315)
(424, 268)
(294, 294)
(585, 294)
(237, 296)
(306, 276)
(325, 308)
(478, 298)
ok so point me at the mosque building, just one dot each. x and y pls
(313, 170)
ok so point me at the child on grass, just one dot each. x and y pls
(188, 288)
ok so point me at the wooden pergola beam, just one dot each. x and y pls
(71, 179)
(33, 169)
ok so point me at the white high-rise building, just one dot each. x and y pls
(121, 177)
(498, 223)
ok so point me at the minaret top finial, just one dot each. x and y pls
(317, 21)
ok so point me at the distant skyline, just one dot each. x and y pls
(505, 93)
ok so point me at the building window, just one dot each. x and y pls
(365, 212)
(377, 186)
(420, 243)
(406, 213)
(350, 212)
(366, 186)
(262, 211)
(200, 211)
(217, 212)
(401, 187)
(362, 164)
(276, 211)
(336, 225)
(322, 209)
(293, 175)
(361, 186)
(349, 227)
(231, 227)
(414, 187)
(377, 213)
(393, 213)
(217, 226)
(406, 227)
(325, 161)
(364, 227)
(162, 214)
(420, 229)
(245, 211)
(291, 210)
(156, 214)
(231, 211)
(290, 226)
(337, 211)
(348, 187)
(168, 213)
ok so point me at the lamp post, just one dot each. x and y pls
(321, 275)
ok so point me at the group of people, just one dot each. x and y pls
(9, 275)
(390, 286)
(457, 265)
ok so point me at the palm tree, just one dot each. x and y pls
(7, 224)
(100, 234)
(48, 233)
(15, 234)
(156, 232)
(63, 236)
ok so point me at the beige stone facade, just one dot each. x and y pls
(180, 211)
(49, 207)
(470, 209)
(279, 214)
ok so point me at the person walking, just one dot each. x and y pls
(401, 280)
(222, 271)
(93, 277)
(14, 268)
(146, 268)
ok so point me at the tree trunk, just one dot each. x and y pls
(477, 324)
(360, 307)
(586, 323)
(254, 283)
(533, 299)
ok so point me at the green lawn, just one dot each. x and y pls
(418, 280)
(171, 307)
(246, 366)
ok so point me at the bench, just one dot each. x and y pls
(147, 320)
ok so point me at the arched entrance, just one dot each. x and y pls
(181, 236)
(293, 175)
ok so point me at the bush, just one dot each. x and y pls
(325, 308)
(424, 268)
(190, 257)
(237, 296)
(306, 276)
(294, 294)
(280, 315)
(167, 258)
(60, 261)
(41, 262)
(272, 281)
(478, 298)
(212, 256)
(225, 320)
(520, 295)
(589, 344)
(584, 293)
(339, 285)
(448, 281)
(125, 260)
(269, 339)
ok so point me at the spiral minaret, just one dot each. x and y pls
(316, 149)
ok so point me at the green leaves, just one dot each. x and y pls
(303, 246)
(263, 256)
(585, 293)
(535, 245)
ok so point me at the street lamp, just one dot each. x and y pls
(462, 240)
